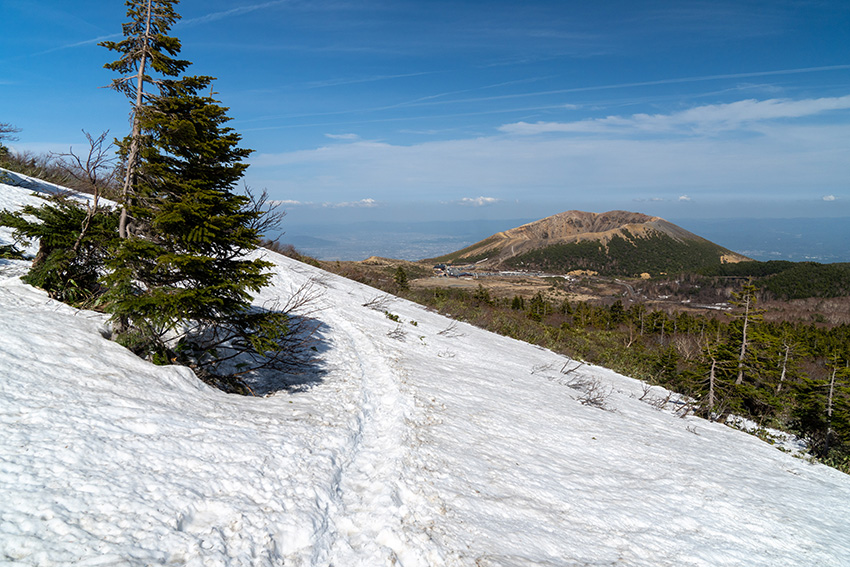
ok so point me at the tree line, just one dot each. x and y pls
(782, 279)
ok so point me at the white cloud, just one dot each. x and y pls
(684, 198)
(362, 203)
(829, 197)
(342, 136)
(287, 202)
(783, 161)
(479, 201)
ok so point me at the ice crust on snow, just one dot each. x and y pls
(415, 448)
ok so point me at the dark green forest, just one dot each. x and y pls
(790, 280)
(654, 253)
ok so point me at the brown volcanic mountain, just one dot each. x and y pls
(616, 242)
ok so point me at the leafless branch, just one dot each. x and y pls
(541, 368)
(398, 333)
(379, 302)
(270, 215)
(593, 392)
(451, 331)
(567, 371)
(96, 169)
(7, 131)
(303, 300)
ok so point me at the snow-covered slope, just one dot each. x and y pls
(421, 443)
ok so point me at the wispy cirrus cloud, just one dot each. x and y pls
(616, 86)
(697, 120)
(337, 82)
(212, 17)
(238, 11)
(92, 41)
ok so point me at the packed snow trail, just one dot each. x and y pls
(371, 480)
(369, 512)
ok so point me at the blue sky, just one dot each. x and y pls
(406, 110)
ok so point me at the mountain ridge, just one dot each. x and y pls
(599, 241)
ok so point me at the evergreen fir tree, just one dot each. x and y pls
(401, 279)
(188, 265)
(745, 301)
(537, 307)
(73, 235)
(146, 47)
(617, 312)
(180, 281)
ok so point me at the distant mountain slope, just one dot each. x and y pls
(614, 243)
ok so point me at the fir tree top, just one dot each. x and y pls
(146, 42)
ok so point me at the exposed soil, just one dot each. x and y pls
(667, 295)
(714, 301)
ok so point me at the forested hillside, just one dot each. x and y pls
(791, 375)
(654, 253)
(791, 280)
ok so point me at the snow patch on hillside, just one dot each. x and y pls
(423, 444)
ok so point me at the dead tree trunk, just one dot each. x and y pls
(135, 137)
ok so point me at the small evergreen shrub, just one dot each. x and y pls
(74, 243)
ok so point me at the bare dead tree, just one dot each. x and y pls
(593, 392)
(646, 390)
(541, 368)
(746, 301)
(7, 132)
(146, 47)
(96, 171)
(270, 217)
(136, 133)
(566, 371)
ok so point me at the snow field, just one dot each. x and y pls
(434, 444)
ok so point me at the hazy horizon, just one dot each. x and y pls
(796, 239)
